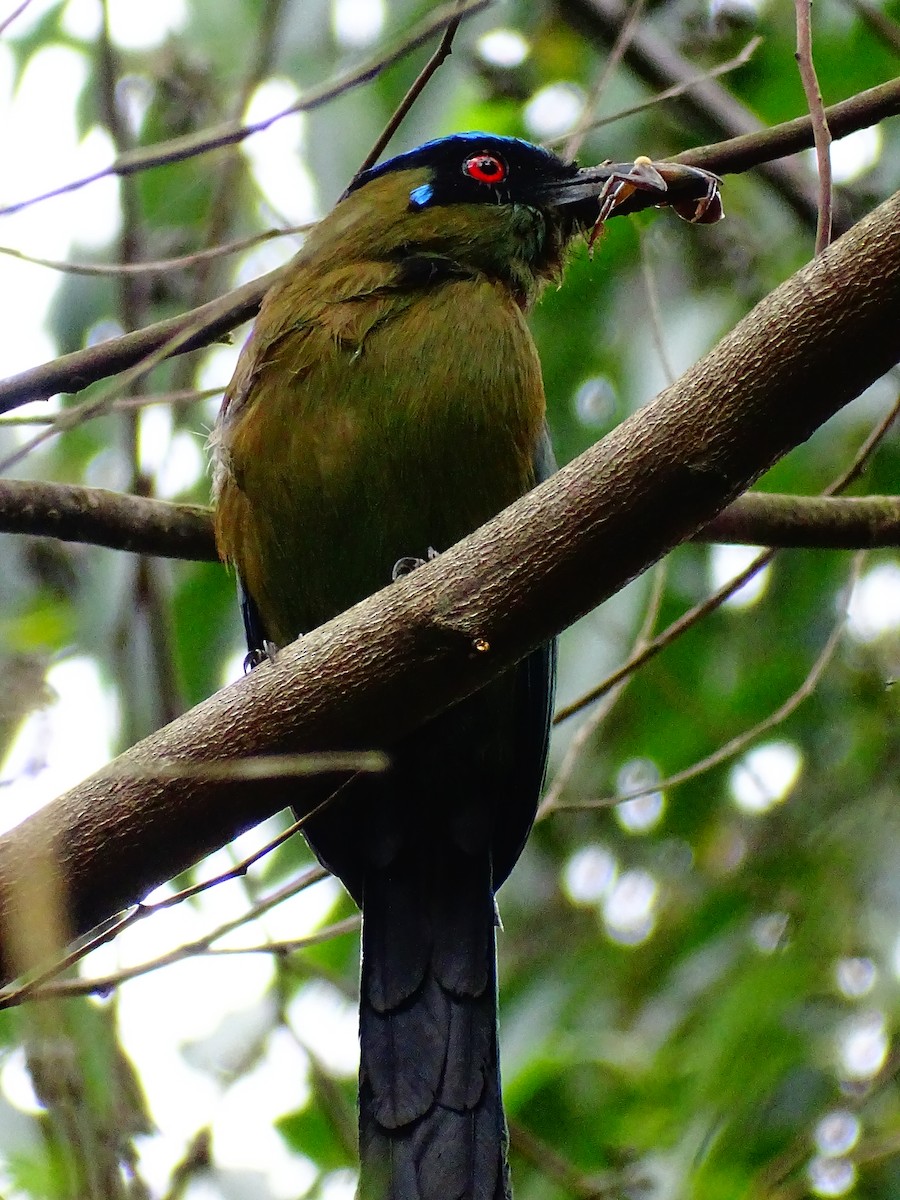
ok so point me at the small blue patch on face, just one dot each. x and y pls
(421, 195)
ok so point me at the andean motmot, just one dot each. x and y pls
(388, 401)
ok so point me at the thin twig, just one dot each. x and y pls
(714, 601)
(733, 747)
(16, 12)
(613, 59)
(174, 399)
(102, 985)
(157, 266)
(821, 135)
(230, 133)
(598, 716)
(656, 323)
(671, 93)
(444, 50)
(551, 1164)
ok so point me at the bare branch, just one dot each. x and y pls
(753, 149)
(821, 133)
(102, 518)
(810, 522)
(155, 266)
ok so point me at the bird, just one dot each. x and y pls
(389, 401)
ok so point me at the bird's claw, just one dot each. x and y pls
(406, 566)
(258, 655)
(705, 209)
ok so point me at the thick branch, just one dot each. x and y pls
(72, 372)
(97, 517)
(436, 635)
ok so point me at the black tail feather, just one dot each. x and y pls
(431, 1117)
(422, 850)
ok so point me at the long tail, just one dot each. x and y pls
(431, 1116)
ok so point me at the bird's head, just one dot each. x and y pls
(498, 205)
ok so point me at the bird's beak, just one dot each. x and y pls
(590, 182)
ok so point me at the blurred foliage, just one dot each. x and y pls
(682, 980)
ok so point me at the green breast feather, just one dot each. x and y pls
(382, 424)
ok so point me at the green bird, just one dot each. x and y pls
(388, 401)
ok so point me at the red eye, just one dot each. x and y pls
(485, 168)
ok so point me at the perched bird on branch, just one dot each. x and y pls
(388, 402)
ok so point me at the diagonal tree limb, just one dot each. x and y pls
(77, 370)
(436, 635)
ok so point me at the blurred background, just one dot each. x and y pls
(700, 985)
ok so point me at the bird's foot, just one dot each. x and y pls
(260, 655)
(640, 176)
(406, 566)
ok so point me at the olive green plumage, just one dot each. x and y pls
(389, 401)
(362, 402)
